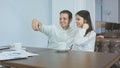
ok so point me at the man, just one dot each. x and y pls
(59, 36)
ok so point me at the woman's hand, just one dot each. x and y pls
(85, 26)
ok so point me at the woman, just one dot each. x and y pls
(85, 36)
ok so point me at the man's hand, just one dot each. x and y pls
(36, 25)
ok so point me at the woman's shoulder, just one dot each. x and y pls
(93, 32)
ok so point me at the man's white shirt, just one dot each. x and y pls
(58, 38)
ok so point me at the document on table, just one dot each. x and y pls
(8, 55)
(4, 47)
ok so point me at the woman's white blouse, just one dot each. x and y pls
(84, 43)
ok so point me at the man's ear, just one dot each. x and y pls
(70, 20)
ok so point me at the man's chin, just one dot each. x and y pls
(62, 25)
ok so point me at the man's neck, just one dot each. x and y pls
(65, 28)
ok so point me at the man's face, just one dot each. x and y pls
(64, 20)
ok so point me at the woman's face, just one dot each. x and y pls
(79, 21)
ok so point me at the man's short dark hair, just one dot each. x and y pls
(67, 12)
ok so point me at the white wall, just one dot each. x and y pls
(98, 9)
(15, 21)
(74, 6)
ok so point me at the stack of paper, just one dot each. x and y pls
(15, 55)
(4, 47)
